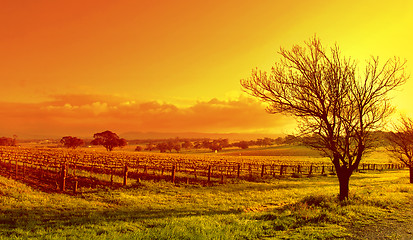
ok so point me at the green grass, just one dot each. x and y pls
(302, 208)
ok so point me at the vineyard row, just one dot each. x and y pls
(65, 170)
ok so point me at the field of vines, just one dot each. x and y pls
(63, 170)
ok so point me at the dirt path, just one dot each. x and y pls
(396, 226)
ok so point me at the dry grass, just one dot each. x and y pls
(303, 208)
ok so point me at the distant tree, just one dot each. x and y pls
(162, 146)
(215, 145)
(170, 145)
(290, 139)
(187, 144)
(206, 143)
(71, 142)
(150, 147)
(279, 140)
(264, 141)
(109, 140)
(401, 143)
(177, 147)
(138, 148)
(224, 142)
(243, 144)
(328, 97)
(267, 141)
(198, 145)
(5, 141)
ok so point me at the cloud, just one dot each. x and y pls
(85, 114)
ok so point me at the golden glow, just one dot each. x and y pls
(181, 53)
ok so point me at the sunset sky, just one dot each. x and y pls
(81, 67)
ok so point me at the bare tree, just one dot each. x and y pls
(401, 143)
(330, 100)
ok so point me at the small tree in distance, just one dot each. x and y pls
(242, 144)
(109, 140)
(5, 141)
(401, 143)
(150, 147)
(330, 100)
(71, 142)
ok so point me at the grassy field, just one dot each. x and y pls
(290, 208)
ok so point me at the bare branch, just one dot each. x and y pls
(334, 105)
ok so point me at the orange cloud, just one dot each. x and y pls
(83, 115)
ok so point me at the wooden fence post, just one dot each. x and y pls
(74, 170)
(16, 169)
(262, 170)
(111, 175)
(222, 175)
(209, 173)
(281, 170)
(24, 169)
(322, 170)
(239, 170)
(75, 187)
(125, 175)
(9, 168)
(311, 170)
(173, 173)
(63, 178)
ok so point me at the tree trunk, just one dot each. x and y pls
(344, 179)
(411, 174)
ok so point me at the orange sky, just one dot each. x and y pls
(78, 67)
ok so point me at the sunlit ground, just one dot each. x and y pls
(300, 208)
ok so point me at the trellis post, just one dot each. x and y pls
(125, 175)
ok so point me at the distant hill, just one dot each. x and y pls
(192, 135)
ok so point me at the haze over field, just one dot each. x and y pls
(76, 68)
